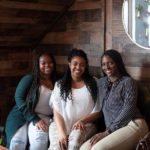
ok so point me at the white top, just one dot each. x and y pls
(72, 110)
(43, 107)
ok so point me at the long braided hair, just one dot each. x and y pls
(66, 80)
(34, 88)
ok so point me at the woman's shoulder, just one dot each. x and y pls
(128, 82)
(24, 84)
(28, 78)
(128, 79)
(101, 81)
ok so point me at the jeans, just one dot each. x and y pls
(38, 139)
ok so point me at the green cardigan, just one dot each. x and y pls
(20, 114)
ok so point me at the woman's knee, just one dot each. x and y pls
(18, 141)
(85, 146)
(75, 139)
(39, 146)
(100, 147)
(17, 144)
(38, 141)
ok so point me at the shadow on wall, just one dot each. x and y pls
(144, 99)
(7, 91)
(144, 93)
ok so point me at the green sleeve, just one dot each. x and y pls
(20, 98)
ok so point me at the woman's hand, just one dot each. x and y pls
(97, 137)
(63, 141)
(3, 148)
(43, 125)
(79, 125)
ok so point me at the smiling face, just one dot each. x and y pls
(77, 67)
(46, 65)
(110, 67)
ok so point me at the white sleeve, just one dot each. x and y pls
(97, 107)
(56, 101)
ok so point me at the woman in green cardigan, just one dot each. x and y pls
(29, 118)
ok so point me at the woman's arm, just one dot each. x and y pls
(91, 117)
(63, 137)
(80, 124)
(59, 122)
(20, 98)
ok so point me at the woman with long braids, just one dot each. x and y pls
(125, 126)
(29, 118)
(73, 99)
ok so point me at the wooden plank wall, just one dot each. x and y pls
(81, 27)
(137, 60)
(14, 64)
(22, 23)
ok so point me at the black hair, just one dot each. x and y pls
(66, 80)
(34, 88)
(116, 56)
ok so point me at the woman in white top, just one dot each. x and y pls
(73, 99)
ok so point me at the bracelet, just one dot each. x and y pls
(81, 121)
(108, 130)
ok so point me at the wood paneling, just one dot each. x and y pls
(7, 90)
(82, 5)
(61, 38)
(84, 28)
(23, 23)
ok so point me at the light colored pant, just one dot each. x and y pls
(124, 138)
(19, 140)
(38, 139)
(76, 137)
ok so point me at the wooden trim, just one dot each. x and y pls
(108, 24)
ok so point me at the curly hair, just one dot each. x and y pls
(34, 88)
(115, 55)
(66, 80)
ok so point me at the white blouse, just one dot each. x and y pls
(43, 107)
(72, 110)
